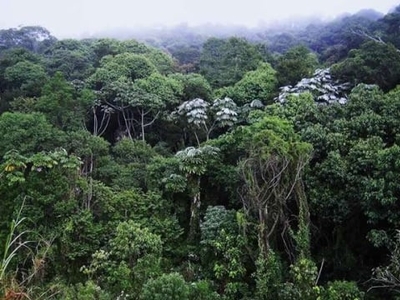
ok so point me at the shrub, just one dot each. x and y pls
(166, 287)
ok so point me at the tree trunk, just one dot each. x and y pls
(194, 224)
(142, 125)
(263, 232)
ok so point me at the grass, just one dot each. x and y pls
(11, 247)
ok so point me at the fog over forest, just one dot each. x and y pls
(77, 18)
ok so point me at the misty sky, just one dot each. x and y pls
(65, 18)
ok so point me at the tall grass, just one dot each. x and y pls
(11, 247)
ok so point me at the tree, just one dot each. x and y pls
(64, 107)
(387, 277)
(373, 63)
(93, 151)
(283, 42)
(103, 47)
(42, 180)
(137, 66)
(129, 65)
(223, 250)
(387, 27)
(71, 57)
(131, 157)
(130, 86)
(333, 40)
(11, 57)
(350, 181)
(259, 84)
(194, 86)
(205, 117)
(131, 258)
(163, 61)
(224, 62)
(29, 133)
(188, 56)
(272, 178)
(27, 77)
(194, 164)
(32, 38)
(133, 46)
(168, 287)
(324, 88)
(141, 102)
(295, 64)
(130, 101)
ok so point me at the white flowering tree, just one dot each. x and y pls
(205, 117)
(322, 86)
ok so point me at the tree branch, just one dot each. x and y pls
(376, 39)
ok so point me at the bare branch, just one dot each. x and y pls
(376, 39)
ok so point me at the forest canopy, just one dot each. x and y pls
(261, 165)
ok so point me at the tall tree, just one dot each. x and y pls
(71, 57)
(194, 162)
(272, 182)
(295, 64)
(259, 84)
(205, 118)
(25, 77)
(373, 63)
(224, 62)
(141, 102)
(64, 106)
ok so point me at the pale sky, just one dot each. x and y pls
(65, 18)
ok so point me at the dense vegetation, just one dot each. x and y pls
(202, 168)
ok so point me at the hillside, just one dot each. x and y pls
(201, 162)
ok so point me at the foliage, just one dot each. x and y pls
(138, 98)
(86, 291)
(271, 174)
(295, 64)
(29, 133)
(74, 59)
(25, 76)
(32, 38)
(131, 158)
(163, 62)
(206, 118)
(150, 211)
(223, 249)
(168, 286)
(137, 66)
(202, 290)
(304, 282)
(268, 276)
(194, 86)
(224, 62)
(132, 258)
(342, 290)
(14, 283)
(141, 178)
(259, 84)
(163, 174)
(194, 161)
(64, 107)
(387, 277)
(322, 86)
(373, 63)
